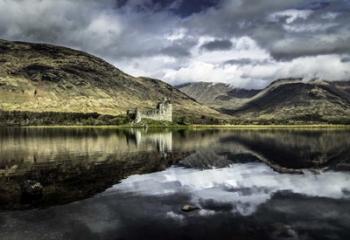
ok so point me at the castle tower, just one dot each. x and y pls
(137, 116)
(170, 109)
(167, 110)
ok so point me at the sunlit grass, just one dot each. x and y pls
(199, 127)
(274, 126)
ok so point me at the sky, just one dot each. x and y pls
(245, 43)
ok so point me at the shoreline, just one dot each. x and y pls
(196, 126)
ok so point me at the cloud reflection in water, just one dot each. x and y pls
(243, 187)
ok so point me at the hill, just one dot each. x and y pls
(40, 78)
(297, 100)
(52, 83)
(283, 101)
(217, 95)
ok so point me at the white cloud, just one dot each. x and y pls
(208, 66)
(177, 34)
(243, 48)
(290, 15)
(327, 67)
(311, 27)
(260, 70)
(152, 66)
(102, 30)
(245, 186)
(330, 15)
(175, 216)
(197, 71)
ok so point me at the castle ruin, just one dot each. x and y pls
(163, 112)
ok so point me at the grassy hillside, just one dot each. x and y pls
(45, 78)
(299, 101)
(283, 101)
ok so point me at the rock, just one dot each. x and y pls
(32, 188)
(284, 232)
(189, 208)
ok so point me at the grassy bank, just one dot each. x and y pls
(205, 127)
(88, 120)
(274, 126)
(20, 118)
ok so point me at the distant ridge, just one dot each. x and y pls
(284, 100)
(217, 95)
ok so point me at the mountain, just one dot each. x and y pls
(217, 95)
(42, 78)
(47, 78)
(298, 100)
(285, 100)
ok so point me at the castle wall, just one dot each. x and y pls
(163, 114)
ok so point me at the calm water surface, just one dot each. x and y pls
(132, 184)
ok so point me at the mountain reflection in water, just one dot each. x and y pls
(131, 184)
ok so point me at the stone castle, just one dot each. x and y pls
(163, 112)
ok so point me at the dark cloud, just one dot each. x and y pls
(246, 61)
(217, 45)
(132, 28)
(315, 5)
(187, 8)
(176, 51)
(346, 59)
(251, 18)
(165, 33)
(311, 46)
(182, 8)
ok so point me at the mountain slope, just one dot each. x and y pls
(217, 95)
(43, 78)
(294, 99)
(283, 101)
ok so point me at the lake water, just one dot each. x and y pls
(132, 184)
